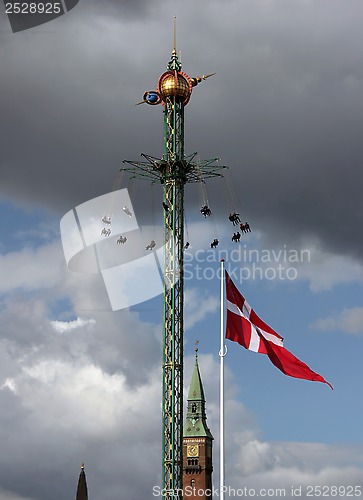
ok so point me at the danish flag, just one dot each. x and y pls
(246, 328)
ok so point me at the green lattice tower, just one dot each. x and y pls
(174, 180)
(173, 170)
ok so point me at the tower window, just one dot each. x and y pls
(194, 408)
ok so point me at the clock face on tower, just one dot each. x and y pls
(192, 450)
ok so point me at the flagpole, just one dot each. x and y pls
(221, 391)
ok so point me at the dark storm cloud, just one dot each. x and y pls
(128, 8)
(284, 110)
(289, 119)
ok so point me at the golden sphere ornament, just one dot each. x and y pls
(175, 84)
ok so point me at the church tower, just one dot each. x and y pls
(82, 493)
(197, 442)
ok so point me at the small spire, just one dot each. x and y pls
(196, 419)
(174, 51)
(174, 63)
(82, 493)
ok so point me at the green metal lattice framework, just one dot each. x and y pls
(173, 170)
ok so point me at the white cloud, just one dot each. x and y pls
(348, 321)
(70, 413)
(286, 465)
(66, 326)
(198, 305)
(9, 384)
(92, 397)
(83, 392)
(327, 270)
(32, 268)
(323, 270)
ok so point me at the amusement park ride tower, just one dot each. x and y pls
(173, 171)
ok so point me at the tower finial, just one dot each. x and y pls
(174, 64)
(82, 493)
(196, 350)
(174, 49)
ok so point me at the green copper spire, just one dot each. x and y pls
(82, 493)
(196, 391)
(196, 419)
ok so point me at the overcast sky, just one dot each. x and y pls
(284, 111)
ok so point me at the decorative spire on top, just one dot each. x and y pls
(196, 350)
(174, 63)
(196, 418)
(82, 493)
(175, 34)
(174, 84)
